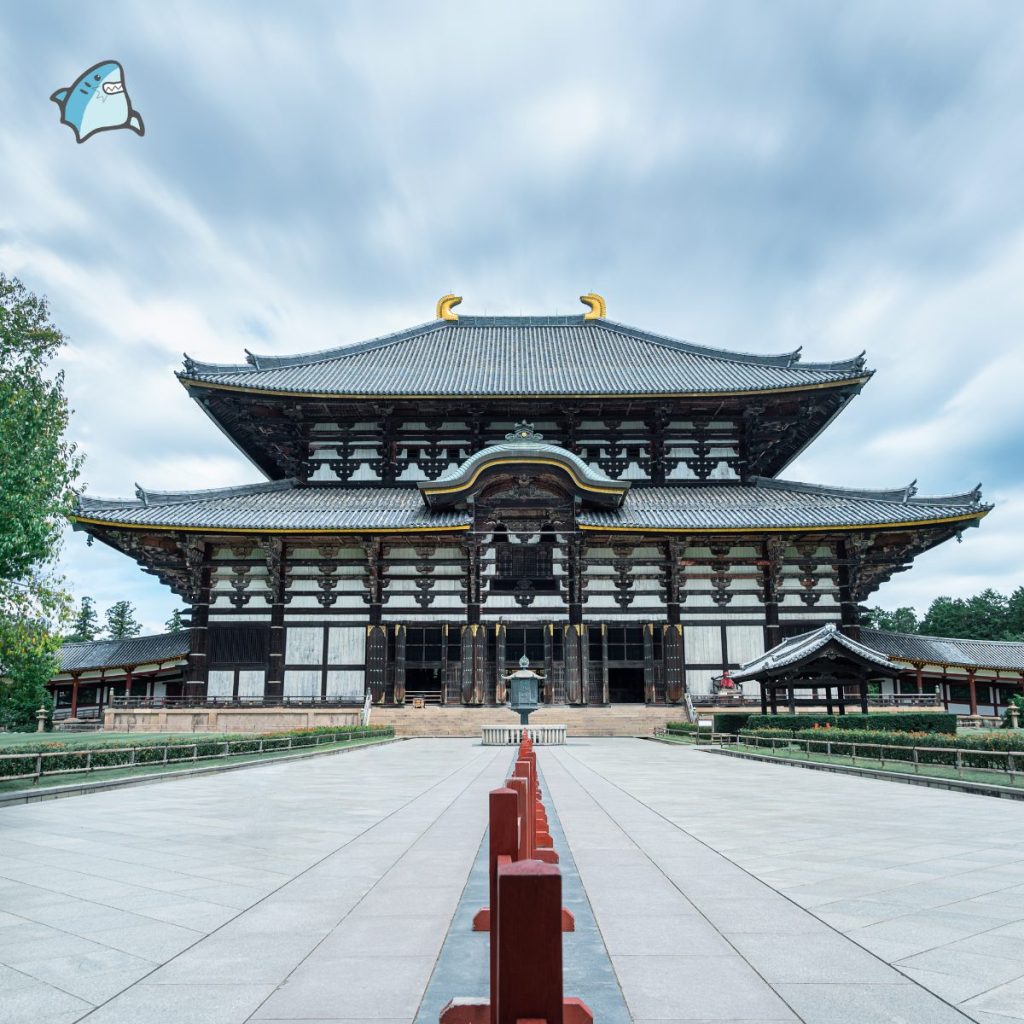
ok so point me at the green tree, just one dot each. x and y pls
(174, 624)
(86, 623)
(121, 621)
(38, 467)
(985, 616)
(901, 620)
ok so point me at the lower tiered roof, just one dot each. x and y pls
(761, 505)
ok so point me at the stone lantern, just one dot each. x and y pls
(524, 690)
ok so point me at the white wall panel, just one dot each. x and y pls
(301, 684)
(702, 644)
(220, 683)
(346, 645)
(304, 645)
(744, 642)
(345, 683)
(250, 684)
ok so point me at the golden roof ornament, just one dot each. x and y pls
(598, 308)
(445, 305)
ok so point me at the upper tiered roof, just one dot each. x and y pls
(524, 356)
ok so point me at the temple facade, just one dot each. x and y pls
(440, 501)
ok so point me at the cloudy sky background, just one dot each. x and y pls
(745, 175)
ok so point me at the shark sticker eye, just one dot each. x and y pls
(95, 78)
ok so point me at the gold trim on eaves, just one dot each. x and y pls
(189, 382)
(837, 528)
(532, 460)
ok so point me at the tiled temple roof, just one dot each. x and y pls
(761, 505)
(517, 356)
(939, 650)
(138, 650)
(804, 647)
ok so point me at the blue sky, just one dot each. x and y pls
(746, 175)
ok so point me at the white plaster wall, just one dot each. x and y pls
(346, 645)
(251, 683)
(304, 645)
(702, 644)
(345, 683)
(301, 683)
(220, 683)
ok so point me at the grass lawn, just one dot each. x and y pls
(160, 769)
(990, 777)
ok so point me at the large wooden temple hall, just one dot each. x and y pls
(440, 501)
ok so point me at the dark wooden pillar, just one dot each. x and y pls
(772, 553)
(791, 698)
(276, 581)
(605, 698)
(864, 697)
(764, 697)
(649, 670)
(474, 657)
(399, 674)
(500, 638)
(774, 694)
(841, 693)
(673, 582)
(549, 663)
(973, 690)
(673, 663)
(828, 699)
(918, 678)
(576, 651)
(847, 559)
(199, 574)
(574, 569)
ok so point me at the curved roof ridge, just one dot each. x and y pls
(907, 495)
(254, 362)
(144, 496)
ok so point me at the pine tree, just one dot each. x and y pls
(86, 623)
(174, 624)
(121, 621)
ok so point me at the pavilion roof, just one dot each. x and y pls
(136, 650)
(763, 504)
(806, 647)
(555, 356)
(946, 651)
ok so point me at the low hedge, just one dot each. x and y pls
(730, 721)
(972, 748)
(899, 721)
(142, 751)
(686, 727)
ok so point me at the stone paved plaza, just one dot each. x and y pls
(337, 889)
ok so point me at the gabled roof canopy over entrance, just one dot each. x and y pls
(523, 453)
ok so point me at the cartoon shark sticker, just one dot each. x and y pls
(97, 102)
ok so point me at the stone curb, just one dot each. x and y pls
(31, 796)
(978, 788)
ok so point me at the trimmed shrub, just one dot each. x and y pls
(901, 721)
(730, 721)
(149, 750)
(973, 749)
(687, 727)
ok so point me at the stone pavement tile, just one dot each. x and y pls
(1007, 1000)
(39, 1003)
(848, 914)
(355, 987)
(694, 987)
(1006, 941)
(823, 956)
(396, 901)
(962, 974)
(53, 945)
(156, 941)
(772, 913)
(364, 935)
(182, 1004)
(669, 935)
(93, 976)
(238, 959)
(869, 1004)
(914, 933)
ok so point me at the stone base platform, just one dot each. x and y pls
(617, 720)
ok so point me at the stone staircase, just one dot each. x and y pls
(616, 720)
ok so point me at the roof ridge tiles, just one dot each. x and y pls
(145, 497)
(256, 363)
(942, 639)
(905, 495)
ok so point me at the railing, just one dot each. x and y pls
(507, 735)
(145, 703)
(97, 759)
(911, 759)
(898, 700)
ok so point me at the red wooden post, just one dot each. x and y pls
(973, 690)
(522, 788)
(503, 841)
(530, 947)
(74, 696)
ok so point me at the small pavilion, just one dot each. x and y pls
(824, 659)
